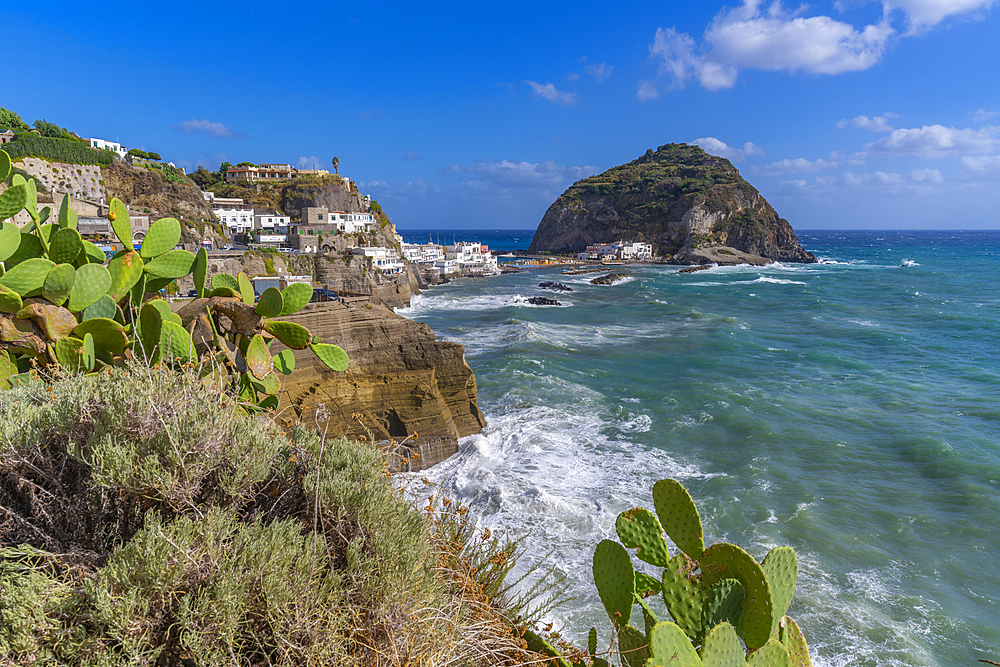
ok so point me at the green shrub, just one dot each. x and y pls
(57, 150)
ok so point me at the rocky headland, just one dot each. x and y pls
(691, 206)
(402, 383)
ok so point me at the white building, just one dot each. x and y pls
(271, 223)
(112, 146)
(383, 259)
(472, 258)
(234, 214)
(635, 251)
(270, 240)
(349, 223)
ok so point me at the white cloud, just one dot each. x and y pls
(572, 76)
(716, 147)
(412, 156)
(748, 37)
(875, 123)
(549, 92)
(600, 72)
(983, 114)
(923, 14)
(208, 128)
(926, 176)
(934, 141)
(987, 166)
(798, 165)
(647, 91)
(312, 162)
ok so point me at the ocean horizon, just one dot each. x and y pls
(847, 408)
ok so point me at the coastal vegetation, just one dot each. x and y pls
(56, 150)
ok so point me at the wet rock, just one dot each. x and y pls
(558, 287)
(543, 301)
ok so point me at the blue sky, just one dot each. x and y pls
(850, 114)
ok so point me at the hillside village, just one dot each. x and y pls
(269, 208)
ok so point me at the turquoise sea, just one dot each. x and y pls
(850, 409)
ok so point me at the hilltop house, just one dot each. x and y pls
(234, 213)
(112, 146)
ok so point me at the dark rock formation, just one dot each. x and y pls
(543, 301)
(403, 383)
(695, 269)
(558, 287)
(608, 279)
(678, 198)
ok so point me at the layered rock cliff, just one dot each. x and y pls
(678, 198)
(403, 383)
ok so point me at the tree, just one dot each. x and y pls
(154, 156)
(12, 120)
(135, 152)
(336, 164)
(223, 168)
(49, 129)
(202, 177)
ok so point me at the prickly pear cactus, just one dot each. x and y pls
(716, 596)
(63, 303)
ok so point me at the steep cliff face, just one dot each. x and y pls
(401, 381)
(678, 198)
(146, 188)
(319, 191)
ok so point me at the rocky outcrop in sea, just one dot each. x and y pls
(679, 199)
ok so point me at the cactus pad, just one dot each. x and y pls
(336, 359)
(646, 585)
(163, 308)
(29, 247)
(679, 517)
(126, 269)
(795, 643)
(67, 216)
(592, 642)
(91, 283)
(670, 647)
(291, 334)
(65, 245)
(199, 271)
(12, 200)
(31, 202)
(5, 166)
(173, 264)
(781, 567)
(10, 238)
(162, 236)
(538, 644)
(27, 277)
(91, 254)
(258, 357)
(633, 646)
(122, 226)
(771, 654)
(69, 353)
(638, 529)
(59, 282)
(615, 580)
(7, 369)
(270, 303)
(109, 336)
(722, 648)
(295, 296)
(103, 307)
(724, 603)
(10, 301)
(684, 595)
(175, 343)
(246, 288)
(54, 321)
(728, 561)
(284, 362)
(148, 332)
(220, 280)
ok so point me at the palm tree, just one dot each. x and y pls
(336, 164)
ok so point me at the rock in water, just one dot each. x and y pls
(543, 301)
(558, 287)
(681, 200)
(609, 279)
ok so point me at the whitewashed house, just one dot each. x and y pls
(112, 146)
(383, 259)
(349, 223)
(234, 214)
(271, 222)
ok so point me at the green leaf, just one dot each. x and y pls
(331, 355)
(65, 245)
(270, 303)
(126, 269)
(10, 239)
(161, 237)
(105, 306)
(10, 301)
(121, 224)
(91, 283)
(173, 264)
(258, 358)
(28, 276)
(246, 288)
(5, 166)
(294, 297)
(200, 270)
(12, 200)
(109, 336)
(284, 362)
(59, 282)
(291, 334)
(225, 280)
(67, 216)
